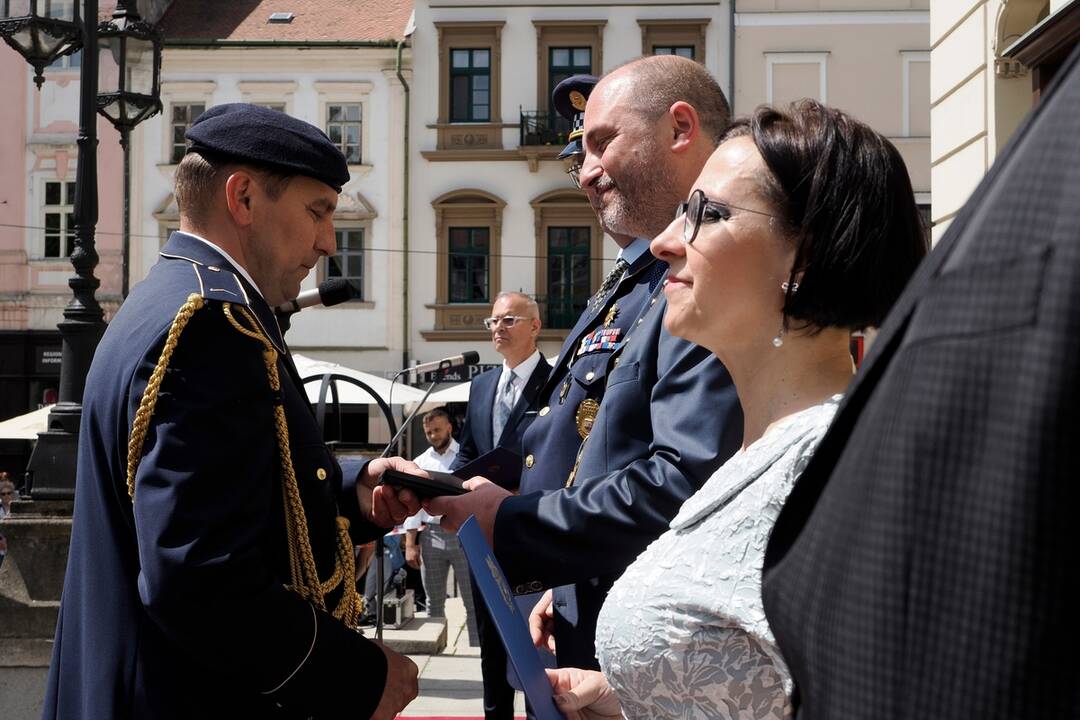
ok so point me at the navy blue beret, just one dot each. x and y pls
(250, 133)
(569, 99)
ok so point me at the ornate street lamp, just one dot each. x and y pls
(41, 30)
(130, 95)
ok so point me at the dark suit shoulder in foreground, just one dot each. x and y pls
(925, 564)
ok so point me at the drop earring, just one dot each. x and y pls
(791, 288)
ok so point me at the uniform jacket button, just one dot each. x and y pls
(590, 375)
(544, 411)
(320, 473)
(529, 461)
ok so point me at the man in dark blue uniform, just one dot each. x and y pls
(502, 405)
(211, 567)
(633, 420)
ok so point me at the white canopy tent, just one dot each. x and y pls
(349, 394)
(452, 394)
(26, 427)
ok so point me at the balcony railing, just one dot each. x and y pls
(541, 128)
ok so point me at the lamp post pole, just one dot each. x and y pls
(52, 464)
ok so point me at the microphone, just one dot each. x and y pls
(330, 292)
(466, 358)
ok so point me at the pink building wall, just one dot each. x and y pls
(38, 145)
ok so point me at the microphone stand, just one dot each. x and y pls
(380, 544)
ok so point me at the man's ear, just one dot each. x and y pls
(685, 125)
(239, 191)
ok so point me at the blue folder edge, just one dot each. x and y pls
(512, 627)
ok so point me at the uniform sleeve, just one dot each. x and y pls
(361, 529)
(205, 514)
(697, 424)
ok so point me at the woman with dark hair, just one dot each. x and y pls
(801, 228)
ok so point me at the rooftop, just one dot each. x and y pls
(312, 20)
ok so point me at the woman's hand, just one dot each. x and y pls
(542, 623)
(584, 694)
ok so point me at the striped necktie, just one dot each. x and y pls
(504, 404)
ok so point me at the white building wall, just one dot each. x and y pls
(511, 180)
(362, 335)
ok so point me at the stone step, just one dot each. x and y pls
(419, 636)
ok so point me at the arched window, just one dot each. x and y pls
(569, 255)
(468, 228)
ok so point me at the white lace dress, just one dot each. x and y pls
(683, 633)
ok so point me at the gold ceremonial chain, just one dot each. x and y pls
(303, 573)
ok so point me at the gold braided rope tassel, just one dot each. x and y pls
(149, 398)
(305, 578)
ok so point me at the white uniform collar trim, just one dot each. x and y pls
(239, 268)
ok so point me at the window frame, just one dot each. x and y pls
(565, 207)
(174, 157)
(819, 58)
(675, 32)
(66, 212)
(470, 73)
(180, 93)
(470, 254)
(339, 92)
(343, 144)
(268, 92)
(567, 317)
(560, 123)
(565, 34)
(461, 135)
(362, 286)
(674, 50)
(468, 207)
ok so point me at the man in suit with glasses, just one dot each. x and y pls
(502, 405)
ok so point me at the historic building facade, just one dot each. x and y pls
(490, 205)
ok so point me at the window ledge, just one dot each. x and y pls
(361, 170)
(352, 305)
(532, 154)
(456, 335)
(469, 124)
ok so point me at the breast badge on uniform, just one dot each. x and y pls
(586, 416)
(602, 338)
(611, 315)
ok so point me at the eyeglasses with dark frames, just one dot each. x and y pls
(700, 209)
(506, 321)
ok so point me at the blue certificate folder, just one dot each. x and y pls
(513, 628)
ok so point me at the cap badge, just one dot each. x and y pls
(577, 100)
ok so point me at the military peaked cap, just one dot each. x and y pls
(569, 99)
